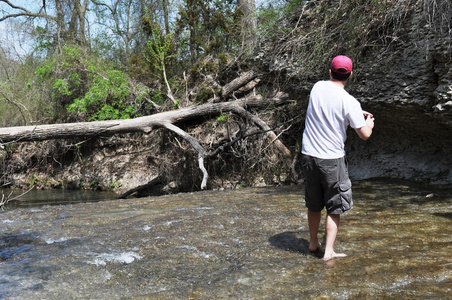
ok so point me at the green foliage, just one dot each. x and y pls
(114, 185)
(223, 118)
(89, 88)
(105, 99)
(60, 88)
(208, 65)
(33, 180)
(45, 70)
(274, 17)
(268, 18)
(176, 105)
(158, 98)
(44, 42)
(159, 48)
(71, 55)
(139, 69)
(21, 99)
(293, 6)
(223, 58)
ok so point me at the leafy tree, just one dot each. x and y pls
(209, 27)
(158, 51)
(106, 98)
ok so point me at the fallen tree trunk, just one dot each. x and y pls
(142, 124)
(147, 123)
(238, 82)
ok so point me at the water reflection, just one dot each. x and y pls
(243, 244)
(34, 197)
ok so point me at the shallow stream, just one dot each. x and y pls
(242, 244)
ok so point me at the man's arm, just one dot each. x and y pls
(366, 131)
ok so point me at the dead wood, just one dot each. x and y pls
(144, 187)
(235, 84)
(142, 124)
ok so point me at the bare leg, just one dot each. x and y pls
(314, 223)
(332, 225)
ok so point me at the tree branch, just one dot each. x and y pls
(18, 105)
(261, 124)
(24, 13)
(195, 144)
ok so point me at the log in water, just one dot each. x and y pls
(242, 244)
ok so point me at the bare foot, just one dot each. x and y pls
(333, 255)
(314, 247)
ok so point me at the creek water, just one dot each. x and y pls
(243, 244)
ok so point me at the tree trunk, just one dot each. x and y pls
(82, 13)
(141, 124)
(166, 17)
(249, 24)
(61, 29)
(77, 24)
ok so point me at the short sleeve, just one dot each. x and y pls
(355, 116)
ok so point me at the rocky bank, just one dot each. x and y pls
(410, 92)
(405, 81)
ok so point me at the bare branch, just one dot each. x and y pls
(8, 198)
(20, 106)
(261, 124)
(23, 12)
(195, 144)
(14, 6)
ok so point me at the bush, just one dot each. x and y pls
(89, 88)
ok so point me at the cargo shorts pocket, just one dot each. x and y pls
(345, 190)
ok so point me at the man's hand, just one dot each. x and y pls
(369, 119)
(366, 131)
(367, 114)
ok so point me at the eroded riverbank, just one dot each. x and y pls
(247, 244)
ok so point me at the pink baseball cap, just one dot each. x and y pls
(341, 64)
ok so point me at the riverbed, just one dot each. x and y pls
(248, 243)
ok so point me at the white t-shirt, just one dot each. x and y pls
(330, 111)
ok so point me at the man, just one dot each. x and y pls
(330, 111)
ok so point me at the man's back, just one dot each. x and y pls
(331, 109)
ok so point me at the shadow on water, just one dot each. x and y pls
(444, 215)
(16, 244)
(289, 241)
